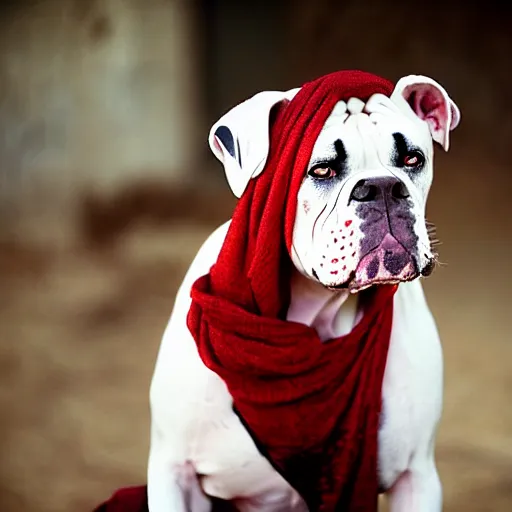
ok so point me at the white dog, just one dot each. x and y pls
(372, 163)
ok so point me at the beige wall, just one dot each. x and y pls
(98, 91)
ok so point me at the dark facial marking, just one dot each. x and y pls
(395, 262)
(337, 164)
(402, 149)
(373, 268)
(341, 152)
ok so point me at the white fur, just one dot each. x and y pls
(194, 430)
(252, 137)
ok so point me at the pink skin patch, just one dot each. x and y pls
(188, 483)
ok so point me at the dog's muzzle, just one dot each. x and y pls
(389, 243)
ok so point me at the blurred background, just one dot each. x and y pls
(107, 190)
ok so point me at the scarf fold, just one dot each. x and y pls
(311, 407)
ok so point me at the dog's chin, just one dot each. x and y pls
(355, 285)
(359, 280)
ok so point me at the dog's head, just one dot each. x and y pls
(361, 207)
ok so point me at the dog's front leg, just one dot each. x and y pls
(173, 487)
(417, 490)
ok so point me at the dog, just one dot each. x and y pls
(370, 170)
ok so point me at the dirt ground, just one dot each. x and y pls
(81, 322)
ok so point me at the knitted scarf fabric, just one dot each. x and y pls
(311, 407)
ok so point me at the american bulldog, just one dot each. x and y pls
(360, 222)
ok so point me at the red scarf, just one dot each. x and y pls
(311, 407)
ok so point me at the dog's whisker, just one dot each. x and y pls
(437, 262)
(432, 237)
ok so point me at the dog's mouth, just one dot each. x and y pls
(391, 262)
(388, 263)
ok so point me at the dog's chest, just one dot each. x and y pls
(224, 453)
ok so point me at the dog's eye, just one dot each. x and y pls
(322, 173)
(414, 159)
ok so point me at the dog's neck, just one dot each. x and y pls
(331, 313)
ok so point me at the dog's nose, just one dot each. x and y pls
(378, 188)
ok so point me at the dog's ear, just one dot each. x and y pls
(431, 103)
(240, 138)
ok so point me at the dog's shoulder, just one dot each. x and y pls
(178, 366)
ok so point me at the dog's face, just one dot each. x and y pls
(361, 207)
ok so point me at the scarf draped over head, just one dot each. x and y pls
(312, 408)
